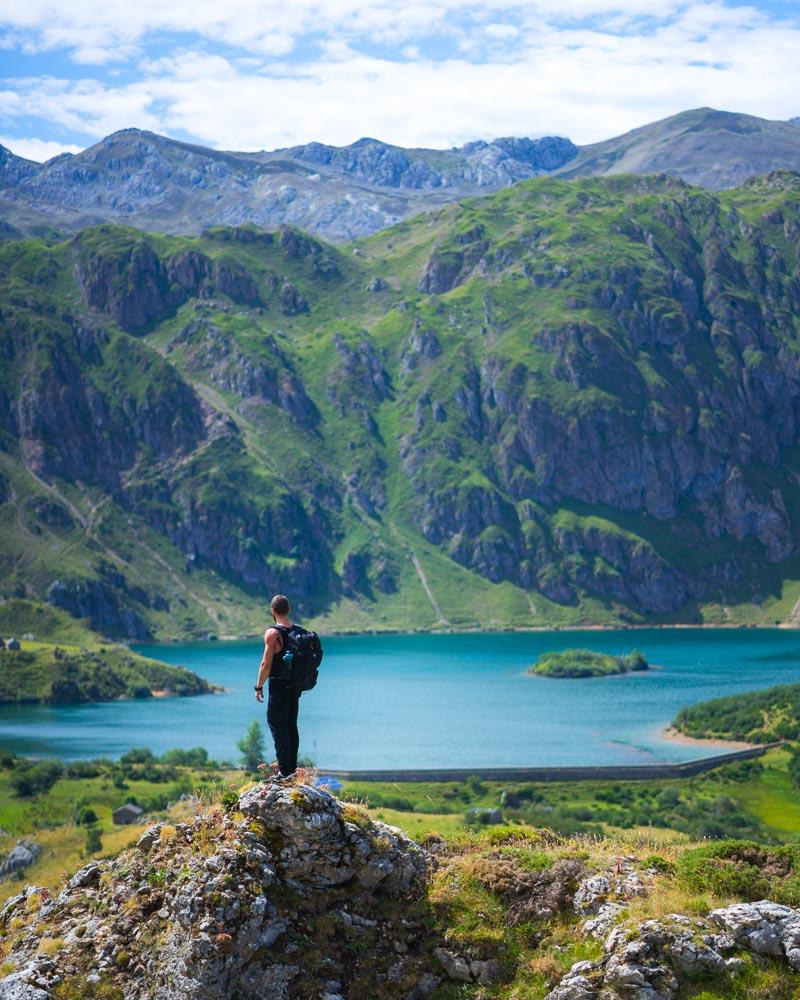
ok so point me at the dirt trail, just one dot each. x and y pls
(424, 581)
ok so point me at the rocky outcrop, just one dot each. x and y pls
(109, 602)
(448, 266)
(266, 375)
(102, 605)
(292, 301)
(358, 380)
(294, 886)
(654, 959)
(219, 512)
(129, 282)
(24, 853)
(80, 411)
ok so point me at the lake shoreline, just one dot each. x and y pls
(474, 630)
(672, 735)
(444, 701)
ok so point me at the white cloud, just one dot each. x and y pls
(271, 26)
(548, 71)
(500, 31)
(36, 149)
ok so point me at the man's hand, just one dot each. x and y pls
(260, 695)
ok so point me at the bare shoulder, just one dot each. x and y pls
(271, 635)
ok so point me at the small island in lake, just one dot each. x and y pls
(587, 663)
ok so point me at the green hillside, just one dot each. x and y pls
(756, 716)
(570, 402)
(60, 661)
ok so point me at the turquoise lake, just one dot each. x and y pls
(434, 701)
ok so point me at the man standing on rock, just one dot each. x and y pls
(284, 697)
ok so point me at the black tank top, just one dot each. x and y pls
(278, 668)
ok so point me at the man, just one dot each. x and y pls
(284, 698)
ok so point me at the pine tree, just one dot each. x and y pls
(251, 746)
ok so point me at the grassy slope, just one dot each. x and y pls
(465, 905)
(575, 225)
(66, 662)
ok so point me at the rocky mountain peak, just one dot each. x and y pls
(343, 192)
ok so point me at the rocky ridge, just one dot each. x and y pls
(652, 960)
(343, 192)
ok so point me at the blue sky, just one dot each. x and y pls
(258, 74)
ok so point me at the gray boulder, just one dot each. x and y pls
(23, 854)
(764, 928)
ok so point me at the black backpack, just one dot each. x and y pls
(302, 655)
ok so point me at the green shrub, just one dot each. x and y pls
(475, 785)
(660, 864)
(743, 869)
(229, 796)
(86, 816)
(137, 755)
(30, 778)
(94, 841)
(195, 757)
(793, 767)
(82, 769)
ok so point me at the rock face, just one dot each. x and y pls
(587, 389)
(652, 960)
(22, 854)
(107, 610)
(292, 893)
(135, 286)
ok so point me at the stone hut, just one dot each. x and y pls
(128, 813)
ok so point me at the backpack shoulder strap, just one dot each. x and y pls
(283, 631)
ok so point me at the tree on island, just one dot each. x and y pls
(252, 747)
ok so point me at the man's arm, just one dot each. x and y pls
(271, 637)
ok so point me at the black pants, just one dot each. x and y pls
(284, 701)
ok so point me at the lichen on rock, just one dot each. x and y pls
(269, 901)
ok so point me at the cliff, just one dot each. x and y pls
(569, 402)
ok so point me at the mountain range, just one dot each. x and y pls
(571, 401)
(341, 193)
